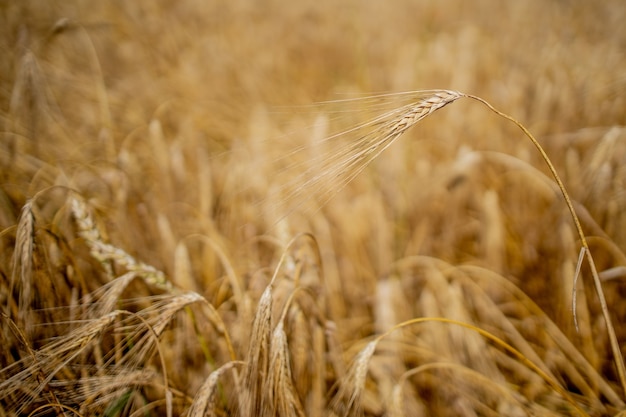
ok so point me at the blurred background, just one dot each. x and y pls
(181, 118)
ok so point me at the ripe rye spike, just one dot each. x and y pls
(329, 172)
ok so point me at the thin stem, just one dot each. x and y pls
(619, 360)
(568, 201)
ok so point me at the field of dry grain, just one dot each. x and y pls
(271, 208)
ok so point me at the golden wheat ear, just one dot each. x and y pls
(205, 401)
(391, 125)
(22, 263)
(327, 171)
(257, 358)
(108, 254)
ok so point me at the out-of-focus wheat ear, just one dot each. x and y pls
(301, 344)
(255, 377)
(104, 299)
(282, 396)
(152, 276)
(144, 343)
(162, 156)
(316, 401)
(334, 351)
(22, 264)
(154, 320)
(220, 326)
(28, 100)
(88, 230)
(398, 402)
(106, 253)
(167, 238)
(307, 357)
(205, 400)
(41, 368)
(95, 393)
(255, 374)
(71, 345)
(174, 304)
(239, 295)
(205, 183)
(166, 385)
(11, 326)
(142, 329)
(494, 236)
(390, 308)
(347, 401)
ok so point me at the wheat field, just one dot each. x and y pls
(312, 208)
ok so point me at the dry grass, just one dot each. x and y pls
(220, 208)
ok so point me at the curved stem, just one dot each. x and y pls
(619, 360)
(568, 201)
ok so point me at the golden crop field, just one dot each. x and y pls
(312, 208)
